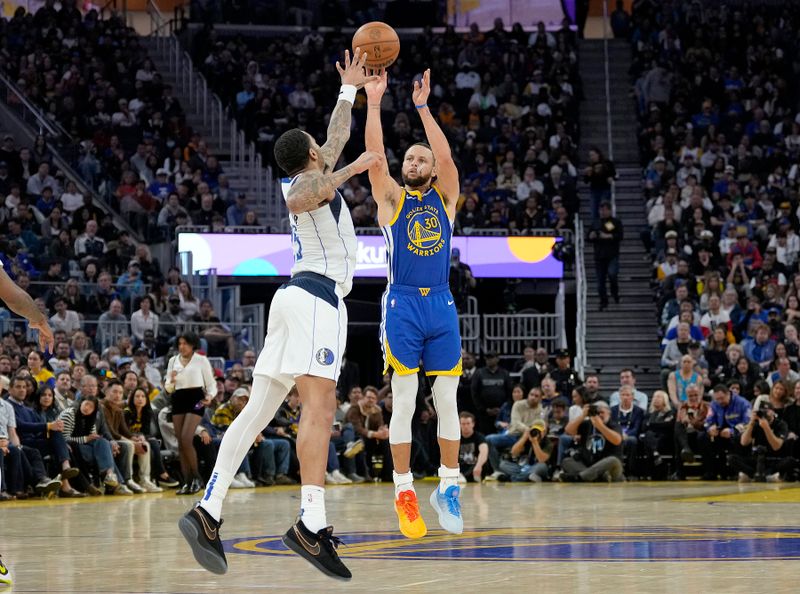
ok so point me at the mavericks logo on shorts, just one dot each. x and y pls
(324, 356)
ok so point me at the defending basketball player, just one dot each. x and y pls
(306, 336)
(420, 322)
(21, 304)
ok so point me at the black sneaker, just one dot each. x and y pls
(201, 531)
(318, 549)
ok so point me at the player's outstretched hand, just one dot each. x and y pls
(354, 72)
(422, 89)
(376, 88)
(366, 160)
(46, 340)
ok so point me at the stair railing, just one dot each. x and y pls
(225, 132)
(580, 289)
(609, 140)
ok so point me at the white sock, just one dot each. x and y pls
(266, 397)
(312, 507)
(216, 489)
(447, 477)
(403, 482)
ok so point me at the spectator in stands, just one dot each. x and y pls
(533, 451)
(565, 377)
(606, 233)
(630, 418)
(46, 437)
(219, 337)
(523, 413)
(680, 379)
(658, 428)
(111, 325)
(39, 371)
(80, 431)
(65, 319)
(473, 452)
(627, 377)
(367, 421)
(144, 319)
(190, 305)
(599, 455)
(729, 416)
(89, 244)
(763, 458)
(491, 387)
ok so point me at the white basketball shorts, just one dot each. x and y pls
(306, 331)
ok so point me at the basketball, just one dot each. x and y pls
(380, 42)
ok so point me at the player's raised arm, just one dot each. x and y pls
(446, 171)
(353, 78)
(21, 304)
(385, 190)
(314, 188)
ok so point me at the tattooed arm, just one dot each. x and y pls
(354, 75)
(338, 133)
(314, 188)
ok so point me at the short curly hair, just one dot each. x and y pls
(291, 151)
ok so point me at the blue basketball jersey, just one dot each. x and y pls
(418, 240)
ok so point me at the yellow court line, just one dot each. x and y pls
(785, 495)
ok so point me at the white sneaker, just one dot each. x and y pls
(743, 478)
(774, 478)
(134, 486)
(462, 479)
(237, 484)
(330, 479)
(245, 480)
(343, 480)
(122, 490)
(150, 487)
(494, 476)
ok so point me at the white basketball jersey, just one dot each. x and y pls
(324, 240)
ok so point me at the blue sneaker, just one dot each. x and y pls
(448, 507)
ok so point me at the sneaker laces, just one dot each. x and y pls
(453, 503)
(407, 501)
(326, 534)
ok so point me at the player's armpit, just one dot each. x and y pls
(311, 189)
(385, 191)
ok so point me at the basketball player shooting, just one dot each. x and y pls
(420, 322)
(21, 304)
(306, 337)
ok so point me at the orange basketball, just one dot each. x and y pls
(380, 42)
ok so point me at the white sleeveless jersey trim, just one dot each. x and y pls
(324, 240)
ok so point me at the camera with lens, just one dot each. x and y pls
(761, 411)
(593, 411)
(536, 432)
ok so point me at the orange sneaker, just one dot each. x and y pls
(407, 507)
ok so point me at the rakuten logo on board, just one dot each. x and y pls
(371, 254)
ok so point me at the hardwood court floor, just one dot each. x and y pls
(637, 537)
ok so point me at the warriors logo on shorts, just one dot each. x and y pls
(325, 356)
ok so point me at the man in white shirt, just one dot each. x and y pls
(65, 319)
(628, 378)
(141, 366)
(42, 179)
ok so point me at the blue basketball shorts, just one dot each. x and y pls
(420, 325)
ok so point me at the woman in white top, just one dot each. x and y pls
(190, 380)
(144, 319)
(190, 305)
